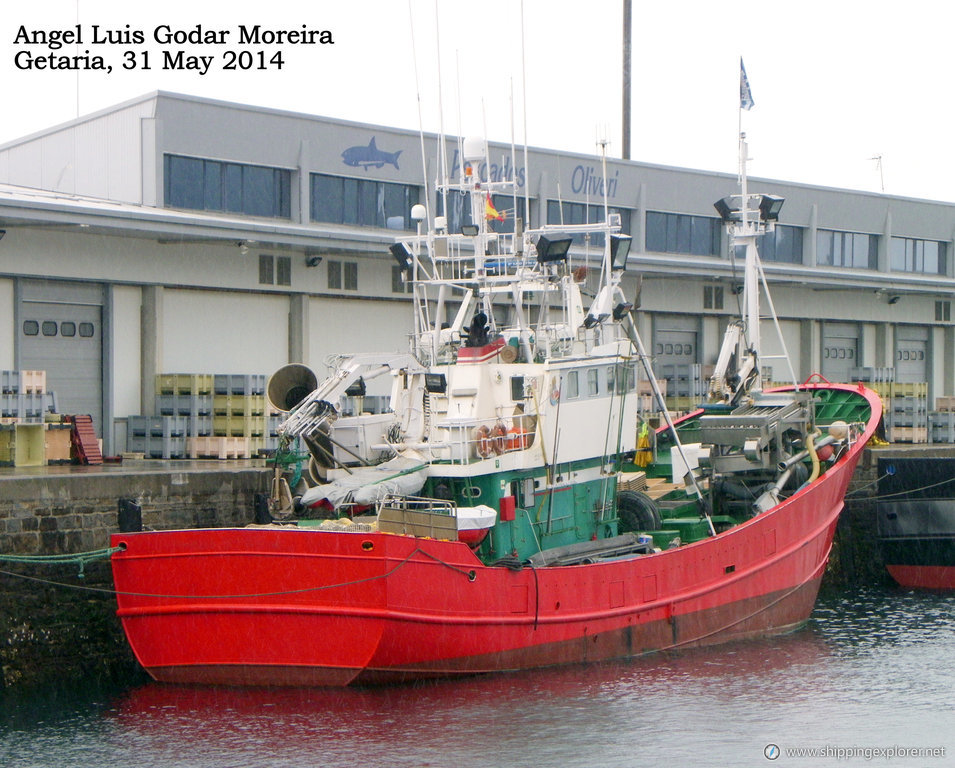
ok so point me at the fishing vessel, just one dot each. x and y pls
(915, 513)
(518, 506)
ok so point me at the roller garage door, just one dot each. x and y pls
(840, 350)
(675, 352)
(61, 332)
(911, 353)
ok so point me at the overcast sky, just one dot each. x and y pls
(836, 83)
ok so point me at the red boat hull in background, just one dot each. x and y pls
(923, 576)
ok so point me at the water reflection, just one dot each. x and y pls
(871, 668)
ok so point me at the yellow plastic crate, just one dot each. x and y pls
(23, 445)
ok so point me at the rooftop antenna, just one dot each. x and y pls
(443, 145)
(878, 165)
(527, 194)
(424, 157)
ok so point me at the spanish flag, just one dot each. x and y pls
(490, 212)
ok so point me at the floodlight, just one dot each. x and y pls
(769, 207)
(436, 383)
(728, 208)
(619, 250)
(401, 254)
(356, 389)
(553, 248)
(622, 310)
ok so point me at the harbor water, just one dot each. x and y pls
(869, 680)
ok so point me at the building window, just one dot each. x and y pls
(86, 330)
(343, 274)
(712, 297)
(212, 185)
(275, 270)
(335, 275)
(847, 249)
(283, 270)
(48, 328)
(592, 381)
(681, 233)
(562, 213)
(363, 202)
(943, 311)
(68, 328)
(910, 255)
(398, 284)
(459, 212)
(266, 270)
(783, 244)
(351, 275)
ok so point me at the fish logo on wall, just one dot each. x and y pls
(365, 157)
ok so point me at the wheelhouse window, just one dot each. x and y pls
(212, 185)
(362, 202)
(854, 250)
(573, 385)
(682, 233)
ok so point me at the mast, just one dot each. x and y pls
(746, 236)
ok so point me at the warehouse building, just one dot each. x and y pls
(176, 234)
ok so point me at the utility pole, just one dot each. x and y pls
(627, 24)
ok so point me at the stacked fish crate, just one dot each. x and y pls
(206, 415)
(242, 420)
(25, 398)
(30, 430)
(905, 410)
(908, 421)
(941, 421)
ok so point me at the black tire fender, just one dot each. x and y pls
(637, 512)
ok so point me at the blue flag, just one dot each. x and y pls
(745, 94)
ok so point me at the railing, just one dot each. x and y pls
(417, 516)
(462, 441)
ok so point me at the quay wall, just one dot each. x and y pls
(56, 624)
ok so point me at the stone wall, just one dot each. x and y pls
(56, 625)
(855, 558)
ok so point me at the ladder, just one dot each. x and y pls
(83, 436)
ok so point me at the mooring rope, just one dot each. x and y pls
(78, 558)
(906, 492)
(470, 574)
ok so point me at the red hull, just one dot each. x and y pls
(283, 606)
(923, 576)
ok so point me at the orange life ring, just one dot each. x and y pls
(483, 444)
(499, 439)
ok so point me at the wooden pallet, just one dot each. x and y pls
(636, 481)
(658, 487)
